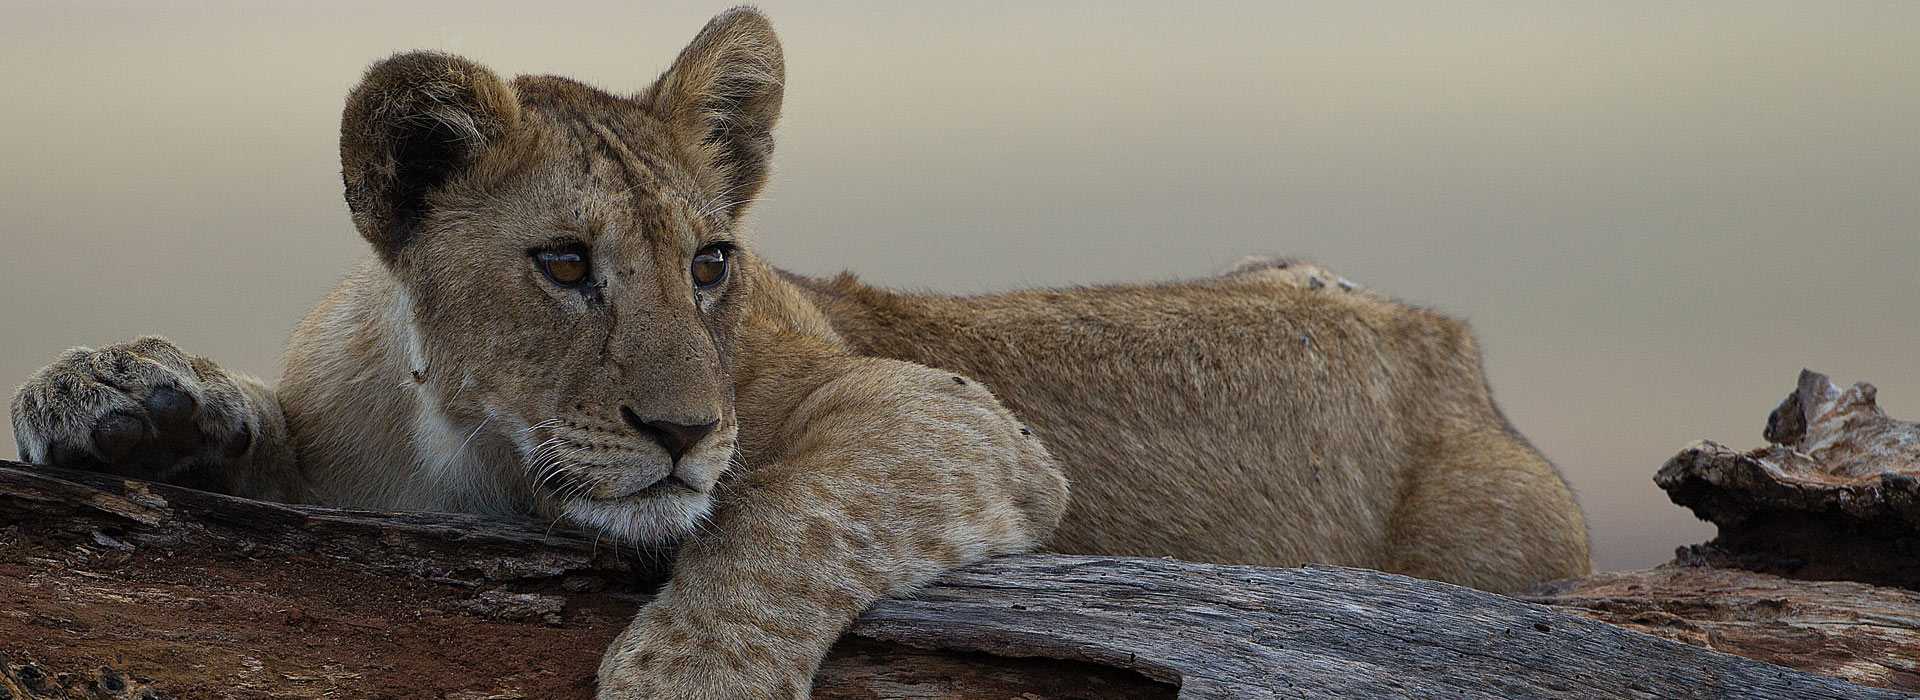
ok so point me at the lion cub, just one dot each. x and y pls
(562, 316)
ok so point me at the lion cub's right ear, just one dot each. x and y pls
(417, 121)
(722, 97)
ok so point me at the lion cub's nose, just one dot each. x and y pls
(675, 438)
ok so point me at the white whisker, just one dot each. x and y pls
(457, 451)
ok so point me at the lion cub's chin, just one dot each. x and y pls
(650, 520)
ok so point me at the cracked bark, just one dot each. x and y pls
(1835, 495)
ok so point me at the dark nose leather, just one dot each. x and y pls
(675, 438)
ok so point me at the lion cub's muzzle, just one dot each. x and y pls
(639, 479)
(583, 457)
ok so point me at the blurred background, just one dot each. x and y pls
(1654, 213)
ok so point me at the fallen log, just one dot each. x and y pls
(118, 588)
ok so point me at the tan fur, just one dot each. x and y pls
(865, 439)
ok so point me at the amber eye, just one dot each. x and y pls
(567, 265)
(710, 266)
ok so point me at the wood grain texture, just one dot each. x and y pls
(1865, 634)
(117, 588)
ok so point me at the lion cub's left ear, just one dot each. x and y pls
(722, 98)
(417, 122)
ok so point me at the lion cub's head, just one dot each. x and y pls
(571, 271)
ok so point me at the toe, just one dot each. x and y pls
(116, 435)
(171, 408)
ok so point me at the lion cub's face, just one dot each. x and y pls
(572, 273)
(585, 305)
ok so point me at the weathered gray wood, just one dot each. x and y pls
(1247, 632)
(142, 586)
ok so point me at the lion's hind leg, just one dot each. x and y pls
(1484, 509)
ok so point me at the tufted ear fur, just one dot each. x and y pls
(722, 98)
(416, 121)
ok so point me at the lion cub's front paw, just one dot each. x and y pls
(668, 657)
(142, 409)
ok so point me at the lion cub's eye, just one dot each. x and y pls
(710, 266)
(567, 266)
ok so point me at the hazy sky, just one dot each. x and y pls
(1654, 213)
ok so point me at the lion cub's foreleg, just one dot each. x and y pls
(891, 474)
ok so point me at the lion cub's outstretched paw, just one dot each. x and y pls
(142, 409)
(669, 657)
(1288, 271)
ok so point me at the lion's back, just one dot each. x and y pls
(1226, 419)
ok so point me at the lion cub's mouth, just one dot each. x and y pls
(666, 487)
(658, 515)
(634, 497)
(610, 482)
